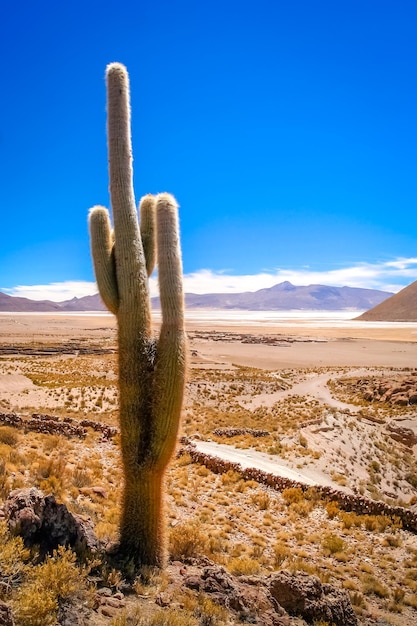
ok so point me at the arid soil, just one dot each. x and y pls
(309, 390)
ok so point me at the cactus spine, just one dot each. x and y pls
(151, 373)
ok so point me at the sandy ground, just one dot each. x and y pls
(316, 344)
(309, 346)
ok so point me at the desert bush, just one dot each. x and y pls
(373, 586)
(13, 557)
(357, 599)
(187, 541)
(332, 509)
(243, 566)
(281, 553)
(262, 500)
(51, 485)
(9, 435)
(54, 466)
(392, 541)
(4, 479)
(202, 607)
(150, 580)
(332, 544)
(58, 578)
(349, 519)
(301, 509)
(81, 478)
(230, 478)
(292, 494)
(302, 565)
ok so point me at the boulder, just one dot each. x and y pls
(248, 598)
(306, 596)
(40, 520)
(403, 435)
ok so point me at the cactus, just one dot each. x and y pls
(151, 372)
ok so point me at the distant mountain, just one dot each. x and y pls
(401, 307)
(283, 296)
(87, 303)
(286, 296)
(15, 304)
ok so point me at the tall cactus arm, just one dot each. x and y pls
(147, 230)
(102, 251)
(131, 272)
(170, 365)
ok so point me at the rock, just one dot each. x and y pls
(304, 595)
(163, 599)
(70, 615)
(40, 520)
(403, 435)
(115, 603)
(6, 618)
(399, 399)
(249, 599)
(108, 611)
(104, 591)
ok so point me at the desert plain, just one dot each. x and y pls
(321, 401)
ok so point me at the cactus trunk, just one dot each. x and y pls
(142, 530)
(151, 372)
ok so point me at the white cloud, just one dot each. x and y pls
(54, 291)
(388, 276)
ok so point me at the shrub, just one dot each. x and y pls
(262, 500)
(333, 544)
(187, 541)
(281, 553)
(4, 479)
(13, 556)
(332, 509)
(243, 566)
(81, 478)
(293, 494)
(8, 435)
(57, 579)
(373, 586)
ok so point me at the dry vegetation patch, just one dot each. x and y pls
(239, 524)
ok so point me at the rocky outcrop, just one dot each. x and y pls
(42, 521)
(248, 598)
(270, 601)
(402, 434)
(398, 390)
(304, 595)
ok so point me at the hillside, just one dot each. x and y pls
(22, 305)
(401, 307)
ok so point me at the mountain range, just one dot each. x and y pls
(283, 296)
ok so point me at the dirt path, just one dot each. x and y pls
(314, 386)
(266, 463)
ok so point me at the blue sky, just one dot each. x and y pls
(285, 129)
